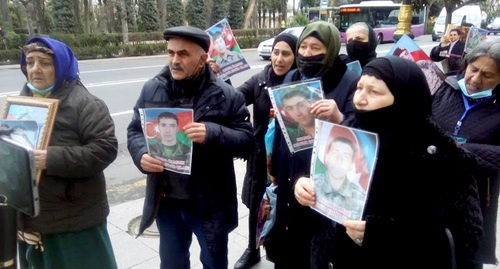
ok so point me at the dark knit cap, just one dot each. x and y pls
(290, 39)
(189, 32)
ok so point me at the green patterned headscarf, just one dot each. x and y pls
(329, 35)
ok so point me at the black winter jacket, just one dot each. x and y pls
(229, 135)
(256, 93)
(73, 189)
(415, 194)
(454, 61)
(481, 127)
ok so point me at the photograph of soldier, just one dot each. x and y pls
(175, 155)
(294, 103)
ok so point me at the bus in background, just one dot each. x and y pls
(382, 16)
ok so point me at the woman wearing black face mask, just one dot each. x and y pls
(361, 44)
(317, 57)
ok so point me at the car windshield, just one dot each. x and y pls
(294, 31)
(497, 20)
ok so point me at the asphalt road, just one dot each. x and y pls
(118, 82)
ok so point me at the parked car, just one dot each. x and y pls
(265, 46)
(494, 26)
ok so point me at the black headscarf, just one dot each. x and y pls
(291, 40)
(412, 98)
(364, 52)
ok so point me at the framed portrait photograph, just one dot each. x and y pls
(41, 110)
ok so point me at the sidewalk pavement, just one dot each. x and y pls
(142, 252)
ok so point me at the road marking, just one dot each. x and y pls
(121, 69)
(100, 84)
(144, 67)
(122, 113)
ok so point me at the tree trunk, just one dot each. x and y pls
(28, 16)
(39, 7)
(162, 10)
(270, 19)
(4, 9)
(259, 10)
(86, 12)
(123, 17)
(76, 9)
(264, 11)
(427, 11)
(283, 12)
(249, 13)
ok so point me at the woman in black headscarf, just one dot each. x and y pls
(361, 43)
(255, 92)
(423, 196)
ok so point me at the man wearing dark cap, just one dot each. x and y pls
(203, 203)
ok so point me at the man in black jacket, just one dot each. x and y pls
(451, 48)
(203, 203)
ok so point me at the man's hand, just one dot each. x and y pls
(445, 40)
(150, 164)
(215, 67)
(40, 159)
(304, 192)
(196, 131)
(328, 109)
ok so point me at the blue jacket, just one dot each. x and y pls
(229, 135)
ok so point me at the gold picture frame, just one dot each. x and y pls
(41, 110)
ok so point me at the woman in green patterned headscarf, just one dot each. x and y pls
(317, 57)
(315, 65)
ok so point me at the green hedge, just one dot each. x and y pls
(96, 46)
(10, 56)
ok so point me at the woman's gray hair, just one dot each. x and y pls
(361, 25)
(486, 48)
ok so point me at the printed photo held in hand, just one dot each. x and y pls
(341, 169)
(474, 37)
(41, 110)
(406, 48)
(225, 50)
(453, 36)
(354, 66)
(24, 131)
(166, 140)
(292, 105)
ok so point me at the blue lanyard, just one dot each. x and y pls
(467, 108)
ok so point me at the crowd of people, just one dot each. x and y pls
(432, 200)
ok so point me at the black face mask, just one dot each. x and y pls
(358, 50)
(311, 66)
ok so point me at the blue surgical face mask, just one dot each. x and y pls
(477, 95)
(42, 92)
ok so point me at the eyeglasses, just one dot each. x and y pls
(298, 106)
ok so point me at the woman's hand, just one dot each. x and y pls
(304, 192)
(40, 159)
(328, 109)
(355, 230)
(150, 164)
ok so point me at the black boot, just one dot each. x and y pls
(248, 259)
